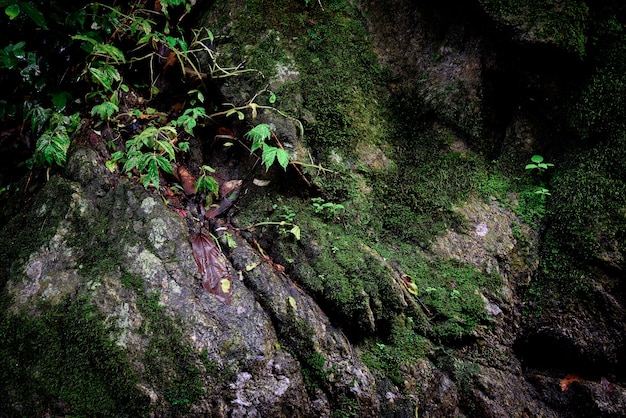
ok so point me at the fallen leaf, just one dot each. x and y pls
(225, 133)
(212, 267)
(178, 107)
(230, 186)
(171, 61)
(187, 180)
(568, 380)
(251, 266)
(229, 192)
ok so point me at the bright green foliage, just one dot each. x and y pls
(206, 184)
(189, 119)
(538, 164)
(328, 209)
(259, 135)
(148, 152)
(104, 110)
(54, 130)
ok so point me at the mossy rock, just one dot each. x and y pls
(559, 23)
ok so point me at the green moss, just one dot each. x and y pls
(451, 290)
(587, 226)
(415, 203)
(401, 347)
(63, 362)
(33, 225)
(599, 107)
(559, 22)
(171, 364)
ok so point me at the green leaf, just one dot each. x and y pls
(104, 110)
(12, 11)
(60, 99)
(531, 166)
(183, 146)
(210, 35)
(283, 158)
(116, 156)
(272, 98)
(260, 133)
(152, 174)
(536, 159)
(164, 164)
(167, 147)
(105, 75)
(131, 163)
(268, 156)
(34, 14)
(206, 184)
(295, 231)
(52, 147)
(111, 165)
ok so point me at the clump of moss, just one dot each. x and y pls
(171, 364)
(556, 22)
(63, 362)
(402, 346)
(587, 226)
(450, 289)
(598, 108)
(415, 201)
(350, 282)
(37, 220)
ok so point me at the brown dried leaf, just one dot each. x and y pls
(212, 266)
(171, 61)
(187, 180)
(228, 187)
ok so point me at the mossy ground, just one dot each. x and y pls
(63, 362)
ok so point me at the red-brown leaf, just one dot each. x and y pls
(187, 180)
(212, 266)
(171, 60)
(225, 133)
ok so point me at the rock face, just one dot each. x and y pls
(121, 249)
(427, 278)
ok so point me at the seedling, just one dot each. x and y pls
(538, 164)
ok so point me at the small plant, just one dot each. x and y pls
(328, 209)
(206, 184)
(538, 164)
(54, 130)
(269, 154)
(147, 152)
(286, 226)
